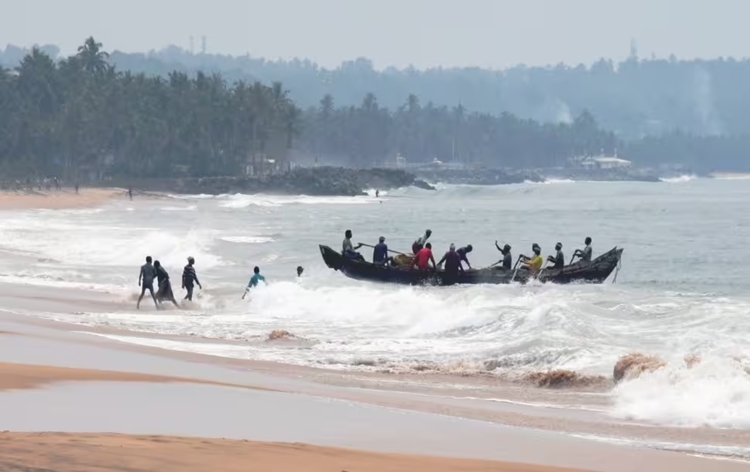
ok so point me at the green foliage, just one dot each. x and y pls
(66, 118)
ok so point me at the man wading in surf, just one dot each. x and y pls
(146, 282)
(189, 279)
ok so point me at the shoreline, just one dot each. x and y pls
(471, 398)
(288, 408)
(65, 199)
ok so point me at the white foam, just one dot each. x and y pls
(715, 392)
(186, 208)
(679, 179)
(243, 201)
(247, 239)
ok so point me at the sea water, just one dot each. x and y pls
(682, 289)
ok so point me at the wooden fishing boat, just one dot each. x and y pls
(594, 272)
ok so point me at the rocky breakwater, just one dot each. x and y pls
(314, 181)
(478, 176)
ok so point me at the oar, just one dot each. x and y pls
(515, 268)
(389, 250)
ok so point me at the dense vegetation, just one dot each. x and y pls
(138, 117)
(633, 98)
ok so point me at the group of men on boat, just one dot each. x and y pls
(454, 258)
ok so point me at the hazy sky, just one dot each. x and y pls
(425, 33)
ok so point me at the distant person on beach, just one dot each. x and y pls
(300, 269)
(130, 193)
(146, 282)
(377, 193)
(423, 258)
(76, 188)
(348, 250)
(190, 279)
(165, 286)
(419, 243)
(559, 258)
(507, 262)
(453, 266)
(585, 253)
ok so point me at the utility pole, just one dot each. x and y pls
(203, 44)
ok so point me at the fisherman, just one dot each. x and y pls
(559, 258)
(300, 269)
(462, 254)
(453, 266)
(377, 193)
(584, 254)
(380, 253)
(146, 282)
(190, 279)
(348, 250)
(423, 258)
(165, 286)
(507, 257)
(419, 243)
(533, 263)
(255, 278)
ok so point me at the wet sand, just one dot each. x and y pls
(57, 199)
(93, 452)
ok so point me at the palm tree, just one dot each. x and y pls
(94, 60)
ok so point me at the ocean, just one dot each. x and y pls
(682, 289)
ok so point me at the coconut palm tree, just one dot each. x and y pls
(93, 59)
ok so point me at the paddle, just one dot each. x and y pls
(515, 268)
(389, 250)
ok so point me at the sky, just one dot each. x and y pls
(422, 33)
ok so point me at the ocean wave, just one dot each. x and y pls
(679, 179)
(714, 392)
(186, 208)
(239, 201)
(247, 239)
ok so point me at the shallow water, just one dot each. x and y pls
(682, 289)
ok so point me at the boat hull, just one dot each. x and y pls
(594, 272)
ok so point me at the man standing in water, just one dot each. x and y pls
(254, 280)
(146, 282)
(190, 279)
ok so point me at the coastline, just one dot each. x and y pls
(64, 199)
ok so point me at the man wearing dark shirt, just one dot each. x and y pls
(507, 258)
(189, 278)
(559, 258)
(146, 282)
(380, 252)
(452, 266)
(462, 254)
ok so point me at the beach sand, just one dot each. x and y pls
(112, 452)
(58, 200)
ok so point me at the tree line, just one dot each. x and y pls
(634, 98)
(67, 117)
(72, 116)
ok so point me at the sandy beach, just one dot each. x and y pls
(57, 200)
(76, 397)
